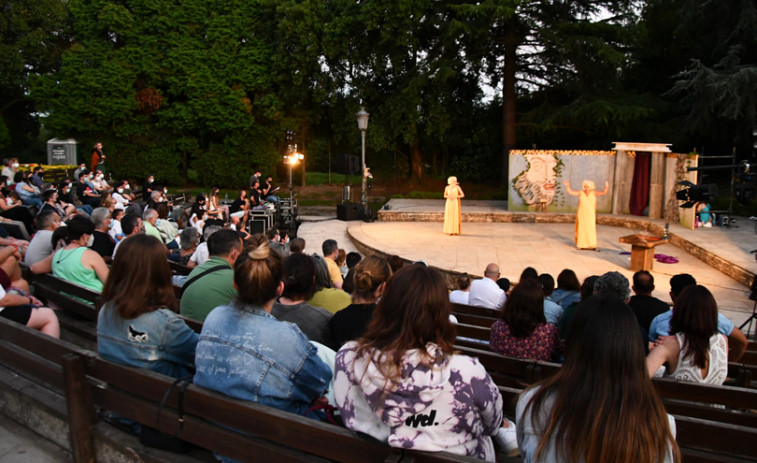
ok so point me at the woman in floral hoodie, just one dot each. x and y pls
(401, 382)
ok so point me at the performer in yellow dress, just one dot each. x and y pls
(453, 193)
(586, 215)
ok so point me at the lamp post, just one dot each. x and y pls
(292, 159)
(362, 125)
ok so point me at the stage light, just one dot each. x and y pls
(693, 194)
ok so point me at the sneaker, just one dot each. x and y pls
(708, 225)
(507, 440)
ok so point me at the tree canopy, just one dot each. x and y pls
(451, 86)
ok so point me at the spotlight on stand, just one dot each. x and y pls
(693, 194)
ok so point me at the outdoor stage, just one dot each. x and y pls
(717, 257)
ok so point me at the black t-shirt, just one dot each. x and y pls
(646, 308)
(350, 322)
(255, 197)
(103, 244)
(236, 206)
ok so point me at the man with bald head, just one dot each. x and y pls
(486, 292)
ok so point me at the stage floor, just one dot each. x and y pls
(548, 247)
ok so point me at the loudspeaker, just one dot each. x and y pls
(349, 211)
(258, 225)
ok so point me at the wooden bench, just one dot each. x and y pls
(262, 433)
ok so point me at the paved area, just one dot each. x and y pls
(548, 247)
(19, 445)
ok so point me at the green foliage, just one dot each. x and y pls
(322, 178)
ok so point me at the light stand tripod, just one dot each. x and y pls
(752, 296)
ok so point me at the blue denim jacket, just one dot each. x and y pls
(247, 354)
(159, 341)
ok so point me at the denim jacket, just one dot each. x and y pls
(246, 353)
(159, 341)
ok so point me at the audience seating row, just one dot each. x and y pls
(512, 375)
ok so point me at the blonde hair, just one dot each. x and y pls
(588, 183)
(452, 180)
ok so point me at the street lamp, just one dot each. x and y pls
(292, 159)
(362, 125)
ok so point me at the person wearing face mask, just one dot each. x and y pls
(66, 196)
(14, 209)
(76, 262)
(37, 177)
(51, 201)
(86, 192)
(124, 199)
(99, 182)
(10, 169)
(148, 187)
(28, 193)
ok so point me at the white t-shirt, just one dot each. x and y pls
(201, 254)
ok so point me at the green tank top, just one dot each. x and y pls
(67, 265)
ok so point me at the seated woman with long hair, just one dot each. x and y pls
(402, 382)
(137, 325)
(246, 353)
(523, 331)
(371, 275)
(695, 351)
(568, 289)
(601, 405)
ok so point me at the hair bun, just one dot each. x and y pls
(261, 252)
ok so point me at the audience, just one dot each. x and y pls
(349, 279)
(188, 238)
(131, 224)
(568, 289)
(13, 209)
(137, 324)
(103, 243)
(297, 245)
(460, 295)
(201, 252)
(41, 245)
(485, 292)
(16, 303)
(326, 296)
(291, 306)
(695, 351)
(552, 310)
(523, 331)
(645, 306)
(403, 372)
(76, 262)
(330, 252)
(371, 275)
(236, 354)
(660, 326)
(212, 284)
(587, 290)
(574, 415)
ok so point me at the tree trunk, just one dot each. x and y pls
(416, 161)
(508, 99)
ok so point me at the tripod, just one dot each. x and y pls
(753, 297)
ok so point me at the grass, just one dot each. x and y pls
(322, 178)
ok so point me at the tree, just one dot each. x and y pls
(170, 86)
(717, 87)
(32, 37)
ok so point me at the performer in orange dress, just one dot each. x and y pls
(586, 215)
(453, 193)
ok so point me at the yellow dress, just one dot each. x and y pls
(586, 221)
(452, 210)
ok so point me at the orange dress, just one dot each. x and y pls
(452, 210)
(586, 221)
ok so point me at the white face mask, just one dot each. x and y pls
(151, 180)
(120, 190)
(165, 190)
(91, 241)
(15, 165)
(100, 177)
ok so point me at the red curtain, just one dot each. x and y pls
(640, 185)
